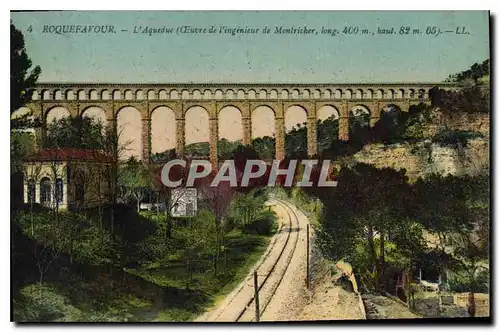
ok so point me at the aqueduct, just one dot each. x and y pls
(344, 99)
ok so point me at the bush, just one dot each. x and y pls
(455, 137)
(73, 234)
(459, 282)
(265, 224)
(43, 304)
(470, 98)
(94, 246)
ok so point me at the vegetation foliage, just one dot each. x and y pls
(387, 227)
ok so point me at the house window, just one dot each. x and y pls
(45, 191)
(59, 190)
(31, 191)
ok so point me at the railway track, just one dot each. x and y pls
(239, 306)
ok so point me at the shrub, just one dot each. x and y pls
(73, 234)
(455, 137)
(107, 316)
(460, 282)
(94, 246)
(263, 225)
(43, 304)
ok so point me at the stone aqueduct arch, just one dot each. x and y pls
(111, 98)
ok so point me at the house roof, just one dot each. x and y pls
(68, 154)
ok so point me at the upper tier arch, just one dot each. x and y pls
(271, 91)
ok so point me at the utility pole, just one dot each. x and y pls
(308, 274)
(256, 296)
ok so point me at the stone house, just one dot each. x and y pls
(66, 178)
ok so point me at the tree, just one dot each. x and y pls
(417, 121)
(22, 76)
(453, 209)
(470, 245)
(328, 132)
(165, 193)
(225, 148)
(113, 150)
(49, 240)
(247, 208)
(22, 79)
(218, 200)
(473, 95)
(408, 248)
(470, 98)
(363, 209)
(135, 180)
(390, 126)
(359, 130)
(296, 142)
(198, 239)
(472, 254)
(265, 147)
(75, 132)
(475, 72)
(440, 204)
(22, 144)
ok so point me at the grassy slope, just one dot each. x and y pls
(206, 289)
(157, 292)
(240, 263)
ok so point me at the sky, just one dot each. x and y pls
(128, 57)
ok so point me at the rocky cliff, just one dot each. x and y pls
(426, 157)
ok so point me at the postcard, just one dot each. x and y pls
(250, 166)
